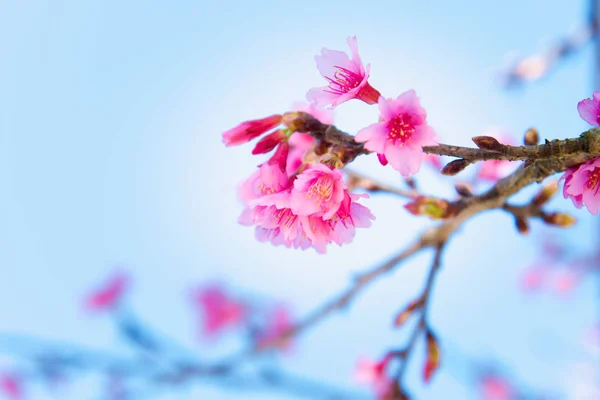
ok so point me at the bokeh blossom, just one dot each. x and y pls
(400, 134)
(374, 374)
(494, 170)
(109, 295)
(348, 78)
(11, 386)
(495, 387)
(218, 309)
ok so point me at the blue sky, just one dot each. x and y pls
(111, 155)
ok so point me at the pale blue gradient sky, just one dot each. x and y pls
(111, 154)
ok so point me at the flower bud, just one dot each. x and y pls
(269, 142)
(454, 167)
(487, 143)
(403, 315)
(545, 194)
(559, 219)
(532, 137)
(246, 131)
(433, 357)
(463, 189)
(429, 206)
(280, 156)
(522, 225)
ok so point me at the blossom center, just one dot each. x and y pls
(343, 80)
(400, 129)
(593, 181)
(322, 189)
(264, 189)
(285, 217)
(598, 118)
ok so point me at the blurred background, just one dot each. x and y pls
(111, 159)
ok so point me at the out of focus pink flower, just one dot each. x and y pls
(249, 130)
(433, 160)
(278, 322)
(220, 311)
(592, 338)
(582, 184)
(11, 386)
(348, 78)
(493, 387)
(589, 109)
(533, 278)
(565, 282)
(109, 295)
(494, 170)
(374, 374)
(400, 134)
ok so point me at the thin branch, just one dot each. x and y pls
(356, 179)
(571, 151)
(536, 66)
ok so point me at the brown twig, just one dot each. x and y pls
(361, 181)
(570, 151)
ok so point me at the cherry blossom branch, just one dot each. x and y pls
(47, 360)
(567, 152)
(422, 326)
(570, 151)
(344, 298)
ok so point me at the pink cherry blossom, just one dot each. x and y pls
(11, 386)
(340, 228)
(589, 109)
(249, 130)
(582, 184)
(348, 78)
(318, 190)
(220, 311)
(109, 295)
(374, 374)
(300, 144)
(400, 134)
(268, 180)
(494, 387)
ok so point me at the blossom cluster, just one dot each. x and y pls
(298, 197)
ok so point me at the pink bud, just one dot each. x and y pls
(249, 130)
(269, 142)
